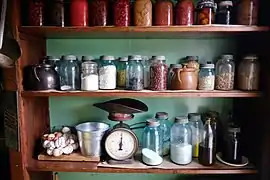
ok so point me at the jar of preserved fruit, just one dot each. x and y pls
(79, 13)
(122, 66)
(143, 13)
(184, 12)
(98, 13)
(206, 15)
(55, 13)
(36, 13)
(135, 73)
(248, 12)
(207, 77)
(107, 73)
(121, 13)
(248, 73)
(163, 13)
(89, 76)
(224, 13)
(158, 74)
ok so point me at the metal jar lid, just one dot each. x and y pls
(52, 58)
(234, 130)
(135, 58)
(89, 64)
(207, 66)
(175, 66)
(227, 56)
(87, 58)
(160, 58)
(107, 58)
(161, 115)
(251, 57)
(225, 3)
(181, 119)
(123, 59)
(69, 57)
(206, 4)
(192, 58)
(194, 116)
(152, 123)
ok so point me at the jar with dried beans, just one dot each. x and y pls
(143, 13)
(121, 13)
(163, 13)
(184, 12)
(55, 13)
(158, 74)
(98, 15)
(36, 13)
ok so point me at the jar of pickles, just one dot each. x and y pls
(207, 77)
(121, 13)
(163, 10)
(55, 13)
(107, 73)
(143, 13)
(184, 12)
(79, 13)
(98, 15)
(134, 79)
(121, 71)
(206, 15)
(248, 12)
(158, 74)
(36, 13)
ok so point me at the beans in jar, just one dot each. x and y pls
(158, 74)
(79, 13)
(98, 13)
(143, 13)
(163, 10)
(121, 12)
(205, 13)
(224, 81)
(55, 13)
(36, 13)
(184, 12)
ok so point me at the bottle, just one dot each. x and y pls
(184, 12)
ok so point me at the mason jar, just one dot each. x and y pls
(158, 74)
(107, 73)
(89, 76)
(135, 73)
(207, 77)
(122, 66)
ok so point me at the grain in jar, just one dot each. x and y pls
(107, 73)
(163, 13)
(184, 12)
(158, 74)
(121, 13)
(247, 12)
(98, 13)
(206, 15)
(36, 13)
(207, 77)
(143, 13)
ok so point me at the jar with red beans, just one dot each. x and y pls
(158, 74)
(206, 12)
(163, 13)
(184, 12)
(98, 12)
(79, 12)
(36, 13)
(55, 13)
(121, 13)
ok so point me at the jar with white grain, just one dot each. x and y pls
(107, 73)
(89, 76)
(207, 77)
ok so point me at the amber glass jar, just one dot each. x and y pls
(98, 13)
(205, 12)
(79, 12)
(121, 13)
(143, 13)
(184, 12)
(55, 13)
(248, 12)
(163, 13)
(36, 13)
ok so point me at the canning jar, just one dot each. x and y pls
(172, 70)
(184, 12)
(163, 13)
(36, 13)
(122, 66)
(89, 76)
(181, 147)
(225, 69)
(158, 74)
(248, 12)
(79, 12)
(54, 61)
(134, 80)
(206, 15)
(146, 71)
(207, 77)
(121, 13)
(107, 73)
(224, 13)
(55, 13)
(98, 13)
(143, 13)
(248, 73)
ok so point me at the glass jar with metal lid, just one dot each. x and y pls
(134, 79)
(224, 12)
(158, 74)
(122, 66)
(107, 73)
(146, 71)
(207, 77)
(89, 76)
(206, 15)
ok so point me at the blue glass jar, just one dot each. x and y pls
(207, 77)
(152, 136)
(55, 61)
(122, 66)
(107, 73)
(134, 79)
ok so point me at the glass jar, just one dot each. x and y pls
(98, 13)
(206, 15)
(152, 136)
(163, 13)
(248, 73)
(36, 13)
(143, 13)
(225, 69)
(196, 126)
(107, 73)
(89, 76)
(207, 77)
(181, 147)
(134, 80)
(224, 13)
(146, 71)
(158, 74)
(55, 61)
(172, 70)
(55, 13)
(121, 13)
(193, 62)
(79, 13)
(248, 12)
(121, 72)
(69, 73)
(165, 125)
(184, 12)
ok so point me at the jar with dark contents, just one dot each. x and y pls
(163, 13)
(143, 13)
(158, 74)
(79, 13)
(121, 13)
(55, 13)
(224, 13)
(247, 12)
(205, 12)
(184, 12)
(98, 13)
(36, 13)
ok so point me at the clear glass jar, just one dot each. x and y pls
(158, 74)
(206, 15)
(224, 13)
(55, 61)
(247, 13)
(207, 77)
(89, 76)
(152, 136)
(122, 66)
(184, 12)
(248, 73)
(181, 145)
(172, 70)
(163, 13)
(98, 12)
(121, 13)
(165, 126)
(146, 71)
(79, 12)
(107, 73)
(55, 13)
(134, 80)
(143, 13)
(69, 73)
(225, 69)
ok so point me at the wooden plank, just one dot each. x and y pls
(72, 157)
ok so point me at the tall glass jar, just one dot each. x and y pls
(163, 13)
(158, 74)
(98, 13)
(248, 12)
(121, 13)
(79, 13)
(134, 80)
(121, 72)
(224, 13)
(89, 76)
(207, 77)
(184, 12)
(152, 136)
(248, 73)
(55, 13)
(165, 126)
(206, 15)
(143, 13)
(225, 69)
(55, 61)
(146, 71)
(36, 13)
(107, 73)
(172, 70)
(181, 147)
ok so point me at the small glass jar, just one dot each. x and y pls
(143, 13)
(152, 136)
(134, 79)
(121, 13)
(107, 73)
(163, 13)
(248, 73)
(79, 13)
(225, 69)
(36, 13)
(247, 13)
(89, 76)
(224, 13)
(206, 15)
(121, 72)
(55, 13)
(207, 77)
(55, 61)
(181, 147)
(184, 12)
(98, 13)
(158, 74)
(172, 70)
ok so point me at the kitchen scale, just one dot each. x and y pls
(121, 143)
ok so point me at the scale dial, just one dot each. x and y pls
(121, 144)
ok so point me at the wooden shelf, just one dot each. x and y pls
(137, 32)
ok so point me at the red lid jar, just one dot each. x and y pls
(36, 13)
(163, 10)
(121, 13)
(98, 13)
(184, 12)
(79, 12)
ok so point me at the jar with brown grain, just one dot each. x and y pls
(36, 13)
(143, 13)
(205, 12)
(79, 13)
(98, 15)
(55, 13)
(163, 13)
(184, 12)
(248, 12)
(121, 13)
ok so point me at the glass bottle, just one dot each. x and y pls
(89, 76)
(146, 71)
(107, 73)
(55, 61)
(36, 13)
(163, 13)
(248, 12)
(207, 148)
(158, 74)
(224, 13)
(165, 126)
(121, 13)
(121, 72)
(55, 13)
(98, 13)
(207, 77)
(152, 136)
(225, 69)
(172, 70)
(134, 80)
(143, 13)
(181, 147)
(206, 15)
(184, 12)
(248, 73)
(79, 13)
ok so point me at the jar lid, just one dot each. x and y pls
(194, 116)
(175, 66)
(145, 58)
(87, 58)
(123, 59)
(152, 123)
(135, 58)
(160, 58)
(161, 115)
(234, 130)
(192, 58)
(181, 119)
(206, 4)
(107, 58)
(69, 57)
(227, 56)
(251, 56)
(225, 3)
(207, 66)
(52, 58)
